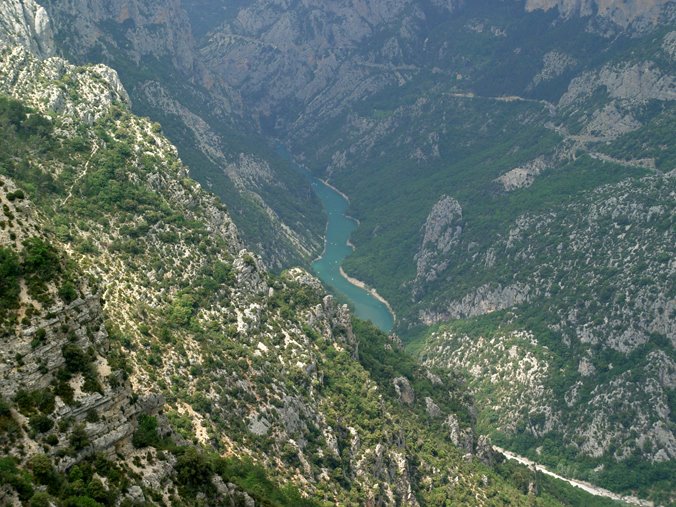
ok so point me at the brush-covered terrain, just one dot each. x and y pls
(511, 164)
(513, 174)
(149, 359)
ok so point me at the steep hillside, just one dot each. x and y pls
(143, 343)
(152, 47)
(512, 168)
(72, 428)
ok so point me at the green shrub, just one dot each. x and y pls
(40, 499)
(76, 359)
(78, 437)
(39, 338)
(146, 433)
(40, 259)
(64, 391)
(9, 279)
(41, 423)
(30, 401)
(5, 408)
(98, 492)
(82, 501)
(92, 416)
(193, 469)
(44, 472)
(17, 194)
(16, 478)
(67, 292)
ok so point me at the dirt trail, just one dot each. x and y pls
(81, 175)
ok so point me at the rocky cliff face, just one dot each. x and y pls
(159, 30)
(71, 401)
(621, 13)
(26, 23)
(316, 57)
(442, 231)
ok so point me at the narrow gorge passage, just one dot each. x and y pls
(367, 303)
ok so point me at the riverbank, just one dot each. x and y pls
(326, 182)
(368, 289)
(586, 486)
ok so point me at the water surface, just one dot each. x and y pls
(336, 248)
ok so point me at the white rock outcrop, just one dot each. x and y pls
(25, 23)
(441, 232)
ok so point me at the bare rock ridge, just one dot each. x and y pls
(91, 92)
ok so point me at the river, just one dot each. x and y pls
(365, 301)
(367, 304)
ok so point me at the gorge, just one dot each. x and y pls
(337, 247)
(184, 310)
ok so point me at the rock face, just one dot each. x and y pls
(621, 12)
(91, 93)
(458, 435)
(637, 82)
(483, 300)
(24, 22)
(640, 386)
(311, 53)
(441, 233)
(523, 176)
(36, 356)
(554, 64)
(404, 390)
(156, 29)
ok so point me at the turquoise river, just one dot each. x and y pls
(336, 247)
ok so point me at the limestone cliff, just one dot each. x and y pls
(621, 12)
(441, 232)
(26, 23)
